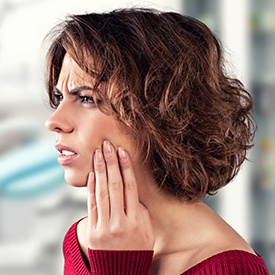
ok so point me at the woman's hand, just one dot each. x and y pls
(116, 218)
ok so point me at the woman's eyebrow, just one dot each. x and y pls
(78, 90)
(74, 91)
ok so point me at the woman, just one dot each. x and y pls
(146, 117)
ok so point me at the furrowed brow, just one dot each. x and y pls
(78, 90)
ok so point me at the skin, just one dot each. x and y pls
(70, 123)
(114, 208)
(126, 211)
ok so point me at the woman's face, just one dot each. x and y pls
(80, 126)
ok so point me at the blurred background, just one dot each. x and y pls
(36, 205)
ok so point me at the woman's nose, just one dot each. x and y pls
(59, 121)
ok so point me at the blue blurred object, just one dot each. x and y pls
(30, 170)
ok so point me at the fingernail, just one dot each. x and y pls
(107, 148)
(122, 154)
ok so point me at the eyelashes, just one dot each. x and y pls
(56, 99)
(83, 99)
(86, 99)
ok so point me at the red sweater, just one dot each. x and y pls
(102, 262)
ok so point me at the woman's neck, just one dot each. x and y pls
(178, 232)
(174, 221)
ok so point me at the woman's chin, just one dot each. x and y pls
(75, 179)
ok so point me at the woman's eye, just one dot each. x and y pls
(87, 99)
(57, 98)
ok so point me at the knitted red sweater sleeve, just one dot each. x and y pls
(120, 262)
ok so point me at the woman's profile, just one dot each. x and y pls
(147, 118)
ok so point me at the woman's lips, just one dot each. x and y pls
(67, 155)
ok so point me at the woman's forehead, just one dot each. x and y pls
(71, 72)
(70, 66)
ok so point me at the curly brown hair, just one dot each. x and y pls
(164, 78)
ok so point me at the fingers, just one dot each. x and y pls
(112, 187)
(91, 201)
(115, 185)
(130, 185)
(101, 189)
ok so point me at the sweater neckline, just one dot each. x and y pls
(71, 240)
(225, 256)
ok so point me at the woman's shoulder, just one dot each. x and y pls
(230, 262)
(222, 250)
